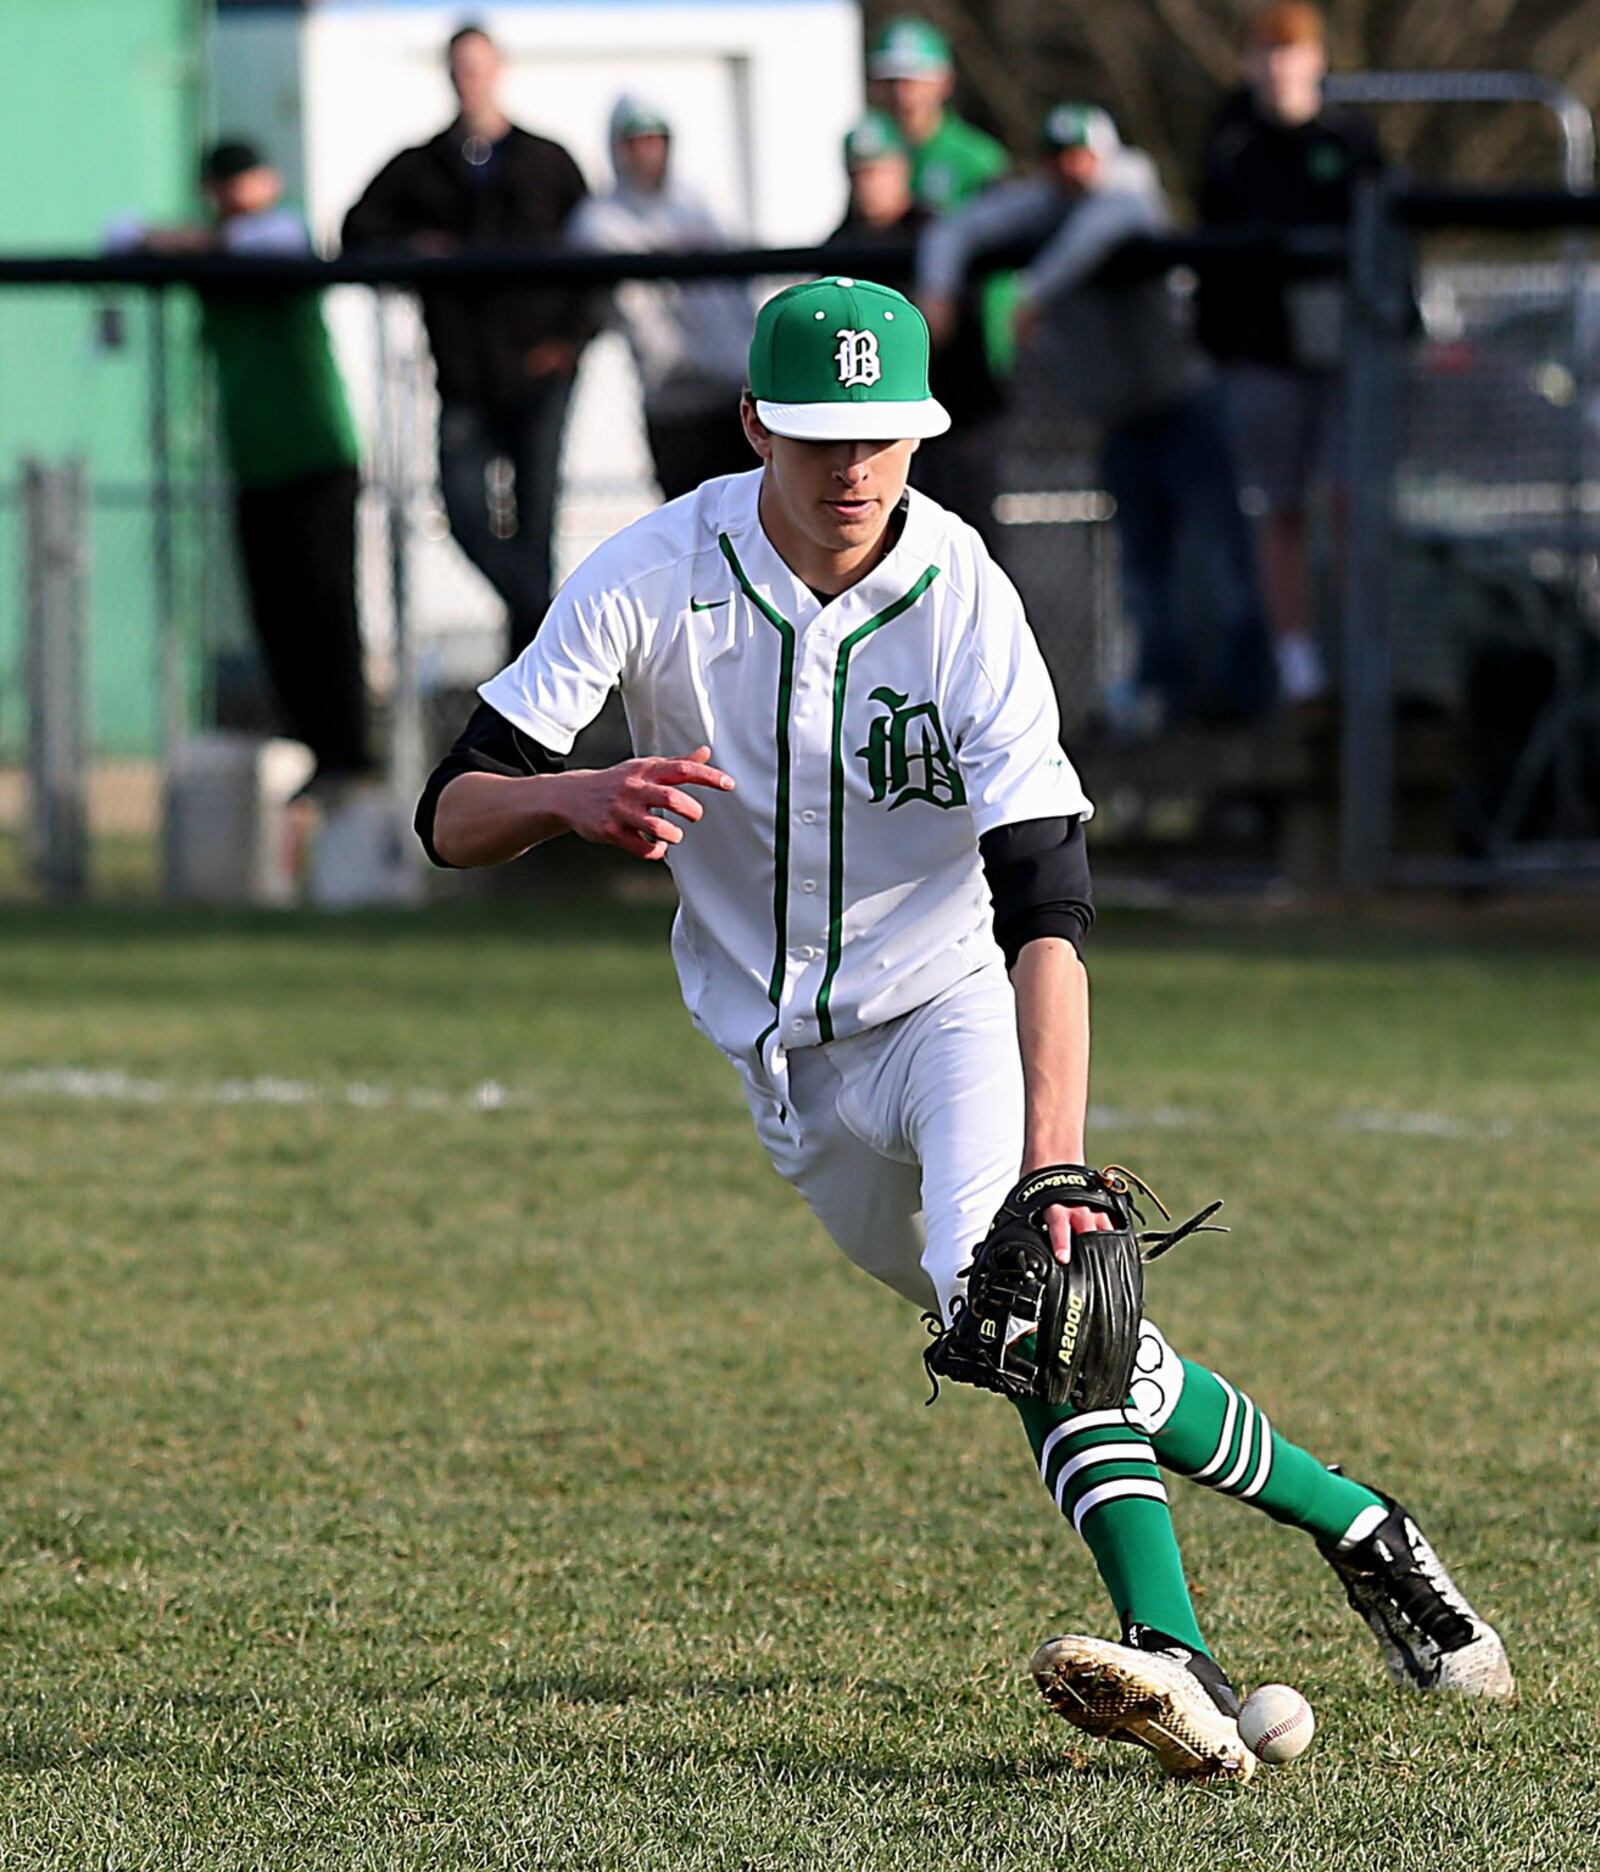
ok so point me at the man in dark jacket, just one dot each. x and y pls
(1279, 157)
(505, 356)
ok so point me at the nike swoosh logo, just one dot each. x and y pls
(707, 604)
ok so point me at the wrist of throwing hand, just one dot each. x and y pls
(550, 801)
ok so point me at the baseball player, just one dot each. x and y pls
(848, 755)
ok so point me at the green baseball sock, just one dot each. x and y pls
(1103, 1476)
(1218, 1436)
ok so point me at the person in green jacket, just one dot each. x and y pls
(292, 450)
(911, 76)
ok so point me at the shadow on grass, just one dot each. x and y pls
(787, 1759)
(777, 1756)
(50, 1752)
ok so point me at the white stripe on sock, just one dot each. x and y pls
(1243, 1462)
(1228, 1416)
(1131, 1488)
(1090, 1420)
(1362, 1526)
(1264, 1467)
(1102, 1452)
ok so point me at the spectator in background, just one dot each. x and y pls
(958, 469)
(1122, 357)
(912, 76)
(505, 355)
(1278, 157)
(690, 340)
(292, 450)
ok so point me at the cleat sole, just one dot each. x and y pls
(1124, 1695)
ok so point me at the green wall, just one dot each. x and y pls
(102, 107)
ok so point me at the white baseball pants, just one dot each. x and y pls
(905, 1139)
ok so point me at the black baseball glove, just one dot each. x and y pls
(1029, 1326)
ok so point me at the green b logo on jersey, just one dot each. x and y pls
(908, 756)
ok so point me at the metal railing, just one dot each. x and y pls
(54, 516)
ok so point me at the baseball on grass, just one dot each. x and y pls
(1276, 1723)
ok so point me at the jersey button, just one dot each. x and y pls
(808, 818)
(808, 954)
(810, 884)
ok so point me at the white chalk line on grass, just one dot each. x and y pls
(110, 1085)
(107, 1085)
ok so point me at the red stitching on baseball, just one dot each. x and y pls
(1283, 1728)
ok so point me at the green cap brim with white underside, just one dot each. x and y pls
(843, 360)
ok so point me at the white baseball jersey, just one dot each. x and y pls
(873, 738)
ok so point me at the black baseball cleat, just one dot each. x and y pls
(1153, 1692)
(1431, 1638)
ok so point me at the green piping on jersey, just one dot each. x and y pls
(841, 676)
(780, 836)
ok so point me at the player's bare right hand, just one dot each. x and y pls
(637, 804)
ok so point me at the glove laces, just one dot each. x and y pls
(1125, 1181)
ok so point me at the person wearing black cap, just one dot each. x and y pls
(292, 450)
(505, 355)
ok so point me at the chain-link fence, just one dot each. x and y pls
(80, 648)
(130, 640)
(1457, 574)
(1472, 705)
(127, 640)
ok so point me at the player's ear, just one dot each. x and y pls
(757, 434)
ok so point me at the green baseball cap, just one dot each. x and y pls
(1080, 126)
(909, 48)
(843, 360)
(634, 117)
(874, 139)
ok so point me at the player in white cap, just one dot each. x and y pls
(848, 755)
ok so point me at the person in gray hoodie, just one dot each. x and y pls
(689, 339)
(1120, 356)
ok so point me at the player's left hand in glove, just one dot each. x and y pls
(1032, 1326)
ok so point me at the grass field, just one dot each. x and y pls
(433, 1438)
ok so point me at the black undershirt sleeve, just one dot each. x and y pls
(488, 744)
(1038, 872)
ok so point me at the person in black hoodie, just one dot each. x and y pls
(505, 355)
(1280, 157)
